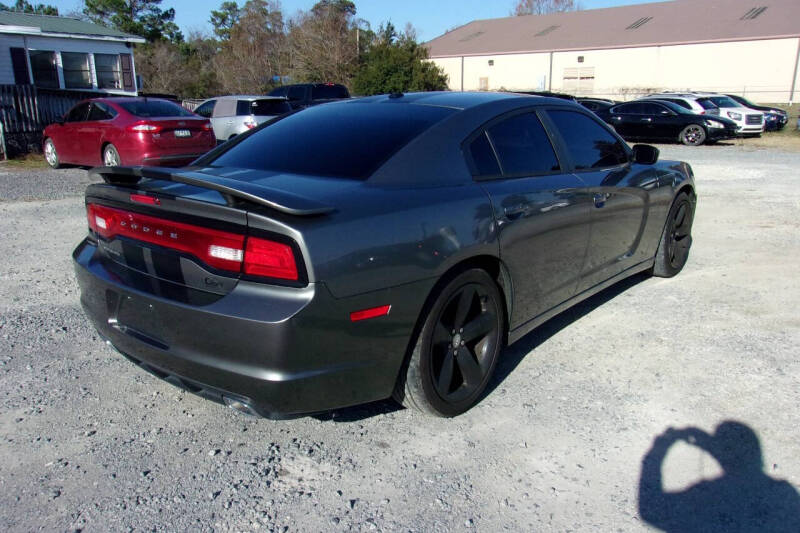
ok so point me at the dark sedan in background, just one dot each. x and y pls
(127, 131)
(775, 118)
(384, 246)
(662, 120)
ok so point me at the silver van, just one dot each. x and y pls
(232, 115)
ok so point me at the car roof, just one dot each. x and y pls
(245, 97)
(454, 100)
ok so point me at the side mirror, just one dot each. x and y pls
(644, 154)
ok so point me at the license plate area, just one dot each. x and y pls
(183, 133)
(139, 319)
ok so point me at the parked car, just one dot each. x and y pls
(127, 131)
(700, 105)
(596, 104)
(282, 278)
(775, 117)
(750, 122)
(301, 95)
(661, 119)
(232, 115)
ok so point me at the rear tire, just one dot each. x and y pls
(693, 135)
(111, 156)
(676, 240)
(456, 351)
(50, 153)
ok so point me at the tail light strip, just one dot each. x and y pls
(218, 249)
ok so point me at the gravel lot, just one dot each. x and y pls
(90, 442)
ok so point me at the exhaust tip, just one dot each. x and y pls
(238, 405)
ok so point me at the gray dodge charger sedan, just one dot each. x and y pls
(384, 246)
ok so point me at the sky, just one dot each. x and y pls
(430, 18)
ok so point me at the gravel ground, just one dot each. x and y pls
(89, 442)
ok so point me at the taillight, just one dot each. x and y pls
(207, 126)
(145, 127)
(223, 250)
(270, 259)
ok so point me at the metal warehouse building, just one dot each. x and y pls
(749, 47)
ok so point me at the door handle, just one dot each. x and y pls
(515, 212)
(647, 120)
(600, 199)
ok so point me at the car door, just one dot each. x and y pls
(92, 132)
(69, 144)
(662, 123)
(627, 120)
(223, 119)
(541, 216)
(617, 188)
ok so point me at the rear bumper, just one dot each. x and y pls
(284, 351)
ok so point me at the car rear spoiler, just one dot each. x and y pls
(276, 199)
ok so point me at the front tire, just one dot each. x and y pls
(50, 153)
(111, 156)
(693, 135)
(676, 240)
(456, 351)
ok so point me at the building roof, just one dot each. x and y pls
(13, 22)
(662, 23)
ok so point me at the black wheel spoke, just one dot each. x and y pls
(441, 335)
(470, 368)
(445, 379)
(478, 327)
(464, 305)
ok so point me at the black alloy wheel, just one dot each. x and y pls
(457, 349)
(673, 250)
(693, 135)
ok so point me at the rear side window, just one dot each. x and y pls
(349, 140)
(589, 144)
(322, 92)
(629, 109)
(154, 108)
(101, 111)
(705, 103)
(683, 103)
(206, 109)
(483, 156)
(654, 109)
(522, 146)
(262, 107)
(77, 113)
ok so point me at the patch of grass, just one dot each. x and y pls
(26, 162)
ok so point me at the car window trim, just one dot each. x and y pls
(483, 129)
(563, 145)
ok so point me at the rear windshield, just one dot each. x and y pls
(340, 140)
(155, 108)
(323, 92)
(262, 107)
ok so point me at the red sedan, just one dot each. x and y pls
(127, 131)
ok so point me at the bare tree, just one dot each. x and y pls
(256, 50)
(541, 7)
(323, 43)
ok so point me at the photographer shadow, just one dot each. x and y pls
(743, 499)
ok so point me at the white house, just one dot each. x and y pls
(749, 47)
(65, 53)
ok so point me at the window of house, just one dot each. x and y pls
(109, 73)
(76, 70)
(45, 70)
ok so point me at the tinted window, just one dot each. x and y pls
(705, 103)
(296, 93)
(483, 156)
(154, 108)
(654, 109)
(522, 146)
(683, 103)
(344, 140)
(77, 113)
(629, 109)
(589, 144)
(262, 107)
(724, 101)
(206, 109)
(101, 111)
(322, 92)
(280, 91)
